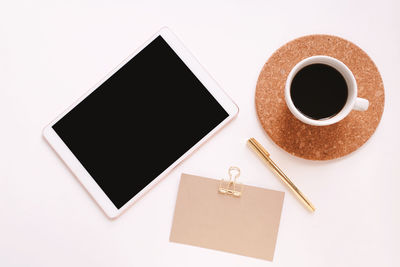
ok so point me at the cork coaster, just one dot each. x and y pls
(318, 142)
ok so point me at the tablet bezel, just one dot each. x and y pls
(79, 170)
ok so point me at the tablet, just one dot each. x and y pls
(139, 122)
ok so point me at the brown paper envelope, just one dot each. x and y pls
(246, 225)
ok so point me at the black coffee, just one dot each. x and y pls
(319, 91)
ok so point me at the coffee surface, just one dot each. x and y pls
(319, 91)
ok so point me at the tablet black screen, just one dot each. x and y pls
(139, 121)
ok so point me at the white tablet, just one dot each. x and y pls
(139, 122)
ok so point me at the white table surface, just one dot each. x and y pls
(52, 52)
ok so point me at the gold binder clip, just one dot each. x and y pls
(230, 187)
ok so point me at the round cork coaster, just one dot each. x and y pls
(318, 142)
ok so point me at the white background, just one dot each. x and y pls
(52, 52)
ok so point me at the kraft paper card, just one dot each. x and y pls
(246, 225)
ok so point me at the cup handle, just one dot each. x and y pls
(361, 104)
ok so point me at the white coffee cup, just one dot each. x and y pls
(353, 102)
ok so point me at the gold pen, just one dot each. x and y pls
(264, 155)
